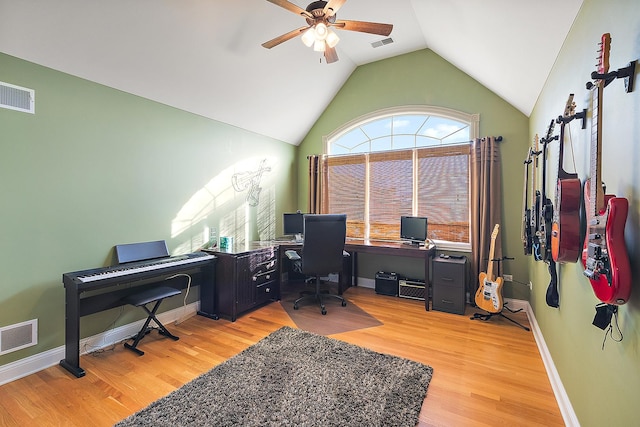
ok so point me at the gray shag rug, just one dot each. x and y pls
(296, 378)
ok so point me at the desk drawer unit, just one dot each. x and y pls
(247, 280)
(449, 284)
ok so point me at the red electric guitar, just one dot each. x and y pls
(565, 229)
(604, 255)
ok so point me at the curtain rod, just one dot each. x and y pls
(497, 138)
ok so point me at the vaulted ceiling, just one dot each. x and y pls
(205, 56)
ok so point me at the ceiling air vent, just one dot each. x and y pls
(382, 42)
(17, 98)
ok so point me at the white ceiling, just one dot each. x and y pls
(205, 56)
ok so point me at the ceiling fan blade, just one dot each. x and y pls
(332, 7)
(364, 27)
(330, 55)
(283, 38)
(291, 7)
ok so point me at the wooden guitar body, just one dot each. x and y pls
(565, 229)
(604, 254)
(489, 294)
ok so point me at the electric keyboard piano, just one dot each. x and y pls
(98, 289)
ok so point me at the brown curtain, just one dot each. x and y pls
(315, 199)
(486, 206)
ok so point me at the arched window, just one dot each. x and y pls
(410, 160)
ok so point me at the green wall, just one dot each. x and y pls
(603, 384)
(424, 78)
(96, 167)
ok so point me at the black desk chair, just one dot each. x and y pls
(141, 299)
(322, 253)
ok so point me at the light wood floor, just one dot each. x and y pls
(485, 373)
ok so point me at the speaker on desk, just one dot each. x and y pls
(387, 283)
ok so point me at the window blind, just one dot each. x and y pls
(346, 190)
(443, 191)
(390, 192)
(375, 189)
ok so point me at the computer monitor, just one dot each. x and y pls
(413, 229)
(293, 224)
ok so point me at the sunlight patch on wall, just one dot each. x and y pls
(233, 195)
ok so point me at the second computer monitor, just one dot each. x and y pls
(413, 229)
(293, 225)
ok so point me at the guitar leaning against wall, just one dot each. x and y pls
(489, 293)
(604, 254)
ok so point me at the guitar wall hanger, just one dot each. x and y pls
(546, 141)
(627, 73)
(582, 115)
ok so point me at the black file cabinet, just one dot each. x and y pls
(449, 284)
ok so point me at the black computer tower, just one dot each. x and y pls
(387, 283)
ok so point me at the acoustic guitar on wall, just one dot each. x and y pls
(565, 229)
(489, 293)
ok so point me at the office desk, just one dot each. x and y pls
(245, 274)
(355, 246)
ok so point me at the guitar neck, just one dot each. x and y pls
(491, 252)
(564, 120)
(596, 189)
(545, 141)
(534, 178)
(525, 192)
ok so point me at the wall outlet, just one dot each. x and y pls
(508, 278)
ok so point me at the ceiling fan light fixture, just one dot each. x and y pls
(321, 31)
(319, 46)
(308, 37)
(320, 16)
(332, 39)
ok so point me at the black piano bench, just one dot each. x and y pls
(141, 299)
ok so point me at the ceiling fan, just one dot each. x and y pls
(321, 16)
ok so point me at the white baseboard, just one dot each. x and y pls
(32, 364)
(566, 409)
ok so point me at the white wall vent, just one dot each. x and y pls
(18, 336)
(17, 98)
(382, 42)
